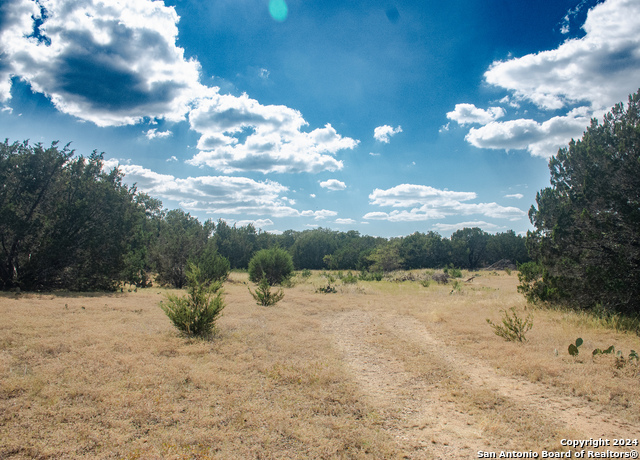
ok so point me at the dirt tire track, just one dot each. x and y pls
(413, 411)
(418, 413)
(575, 412)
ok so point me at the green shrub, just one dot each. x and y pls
(456, 286)
(213, 266)
(349, 278)
(306, 273)
(513, 327)
(264, 296)
(453, 272)
(196, 313)
(370, 276)
(328, 289)
(274, 264)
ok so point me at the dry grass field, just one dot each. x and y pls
(376, 370)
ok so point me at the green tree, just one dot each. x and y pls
(182, 239)
(312, 246)
(468, 247)
(146, 217)
(213, 266)
(64, 222)
(275, 265)
(587, 237)
(507, 246)
(386, 257)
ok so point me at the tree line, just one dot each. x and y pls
(66, 223)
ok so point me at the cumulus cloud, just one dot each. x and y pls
(517, 196)
(217, 194)
(153, 133)
(465, 114)
(429, 203)
(111, 63)
(333, 184)
(341, 221)
(590, 74)
(319, 215)
(599, 68)
(540, 139)
(116, 63)
(257, 223)
(275, 141)
(384, 133)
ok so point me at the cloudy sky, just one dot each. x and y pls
(386, 117)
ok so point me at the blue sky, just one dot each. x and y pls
(386, 117)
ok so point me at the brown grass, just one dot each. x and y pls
(377, 370)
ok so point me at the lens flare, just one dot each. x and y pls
(278, 10)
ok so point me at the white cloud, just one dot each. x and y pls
(117, 63)
(406, 195)
(429, 203)
(333, 184)
(217, 194)
(465, 114)
(341, 221)
(257, 223)
(517, 196)
(374, 154)
(486, 226)
(600, 68)
(173, 158)
(275, 142)
(111, 63)
(384, 133)
(540, 139)
(153, 133)
(588, 74)
(319, 215)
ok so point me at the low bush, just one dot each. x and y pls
(453, 272)
(349, 278)
(370, 276)
(513, 328)
(275, 264)
(196, 313)
(264, 296)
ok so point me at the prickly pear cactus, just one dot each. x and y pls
(573, 348)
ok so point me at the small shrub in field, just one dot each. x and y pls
(349, 278)
(453, 272)
(196, 313)
(513, 328)
(328, 289)
(264, 296)
(306, 273)
(425, 282)
(370, 276)
(274, 264)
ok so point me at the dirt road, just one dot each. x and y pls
(439, 403)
